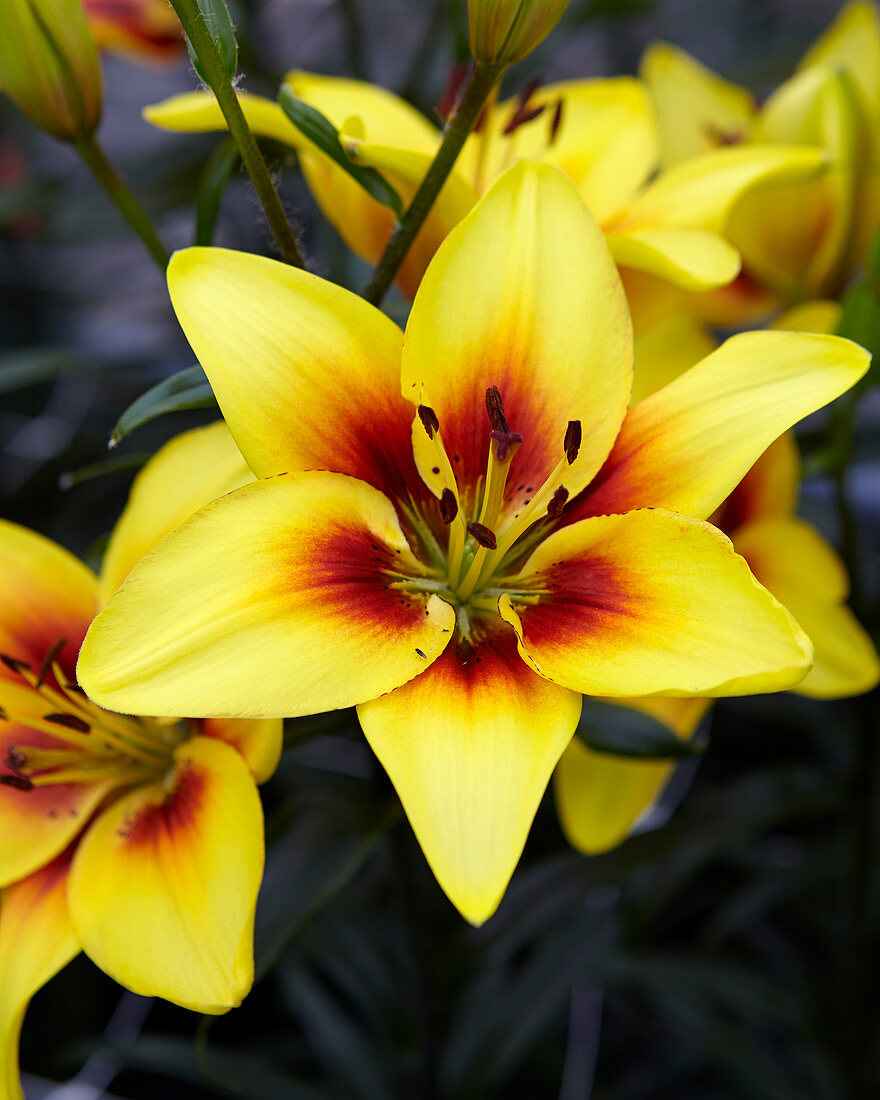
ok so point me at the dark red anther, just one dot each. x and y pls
(13, 664)
(556, 122)
(723, 137)
(49, 660)
(557, 502)
(495, 409)
(523, 113)
(505, 441)
(447, 104)
(429, 420)
(572, 442)
(484, 535)
(448, 506)
(17, 782)
(69, 721)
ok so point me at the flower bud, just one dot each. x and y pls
(504, 31)
(49, 65)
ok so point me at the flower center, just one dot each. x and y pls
(90, 745)
(483, 550)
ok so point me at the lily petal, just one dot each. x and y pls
(523, 295)
(688, 446)
(697, 111)
(799, 567)
(274, 600)
(690, 258)
(653, 603)
(668, 348)
(472, 768)
(188, 472)
(599, 797)
(36, 940)
(852, 42)
(768, 491)
(322, 386)
(48, 595)
(199, 112)
(164, 885)
(257, 740)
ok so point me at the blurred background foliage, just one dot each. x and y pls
(730, 953)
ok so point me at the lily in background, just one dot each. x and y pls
(141, 29)
(803, 240)
(599, 797)
(138, 841)
(462, 530)
(601, 133)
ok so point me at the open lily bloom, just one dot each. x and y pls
(139, 841)
(600, 797)
(142, 29)
(462, 530)
(799, 240)
(601, 133)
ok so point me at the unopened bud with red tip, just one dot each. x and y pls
(504, 31)
(49, 65)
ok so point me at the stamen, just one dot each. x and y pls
(556, 123)
(505, 441)
(13, 664)
(429, 420)
(495, 409)
(49, 660)
(572, 442)
(17, 782)
(523, 113)
(448, 506)
(556, 505)
(69, 721)
(485, 536)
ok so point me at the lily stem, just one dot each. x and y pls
(221, 85)
(482, 82)
(123, 198)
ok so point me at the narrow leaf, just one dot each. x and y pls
(321, 132)
(212, 183)
(99, 469)
(621, 731)
(188, 389)
(216, 17)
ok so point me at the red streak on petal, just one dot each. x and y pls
(584, 599)
(174, 815)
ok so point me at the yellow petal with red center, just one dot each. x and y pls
(852, 42)
(36, 825)
(700, 193)
(524, 296)
(653, 603)
(274, 600)
(322, 385)
(687, 447)
(600, 797)
(136, 28)
(793, 560)
(48, 594)
(820, 315)
(36, 940)
(257, 740)
(164, 885)
(690, 258)
(199, 112)
(665, 350)
(188, 472)
(697, 111)
(768, 491)
(794, 238)
(470, 746)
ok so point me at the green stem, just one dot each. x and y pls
(221, 85)
(483, 80)
(119, 191)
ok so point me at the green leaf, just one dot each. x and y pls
(323, 134)
(212, 183)
(621, 731)
(860, 312)
(216, 17)
(188, 389)
(99, 469)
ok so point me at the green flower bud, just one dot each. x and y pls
(504, 31)
(49, 65)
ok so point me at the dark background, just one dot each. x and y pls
(731, 954)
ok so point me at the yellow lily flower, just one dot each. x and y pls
(409, 548)
(601, 133)
(142, 29)
(802, 240)
(600, 797)
(138, 841)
